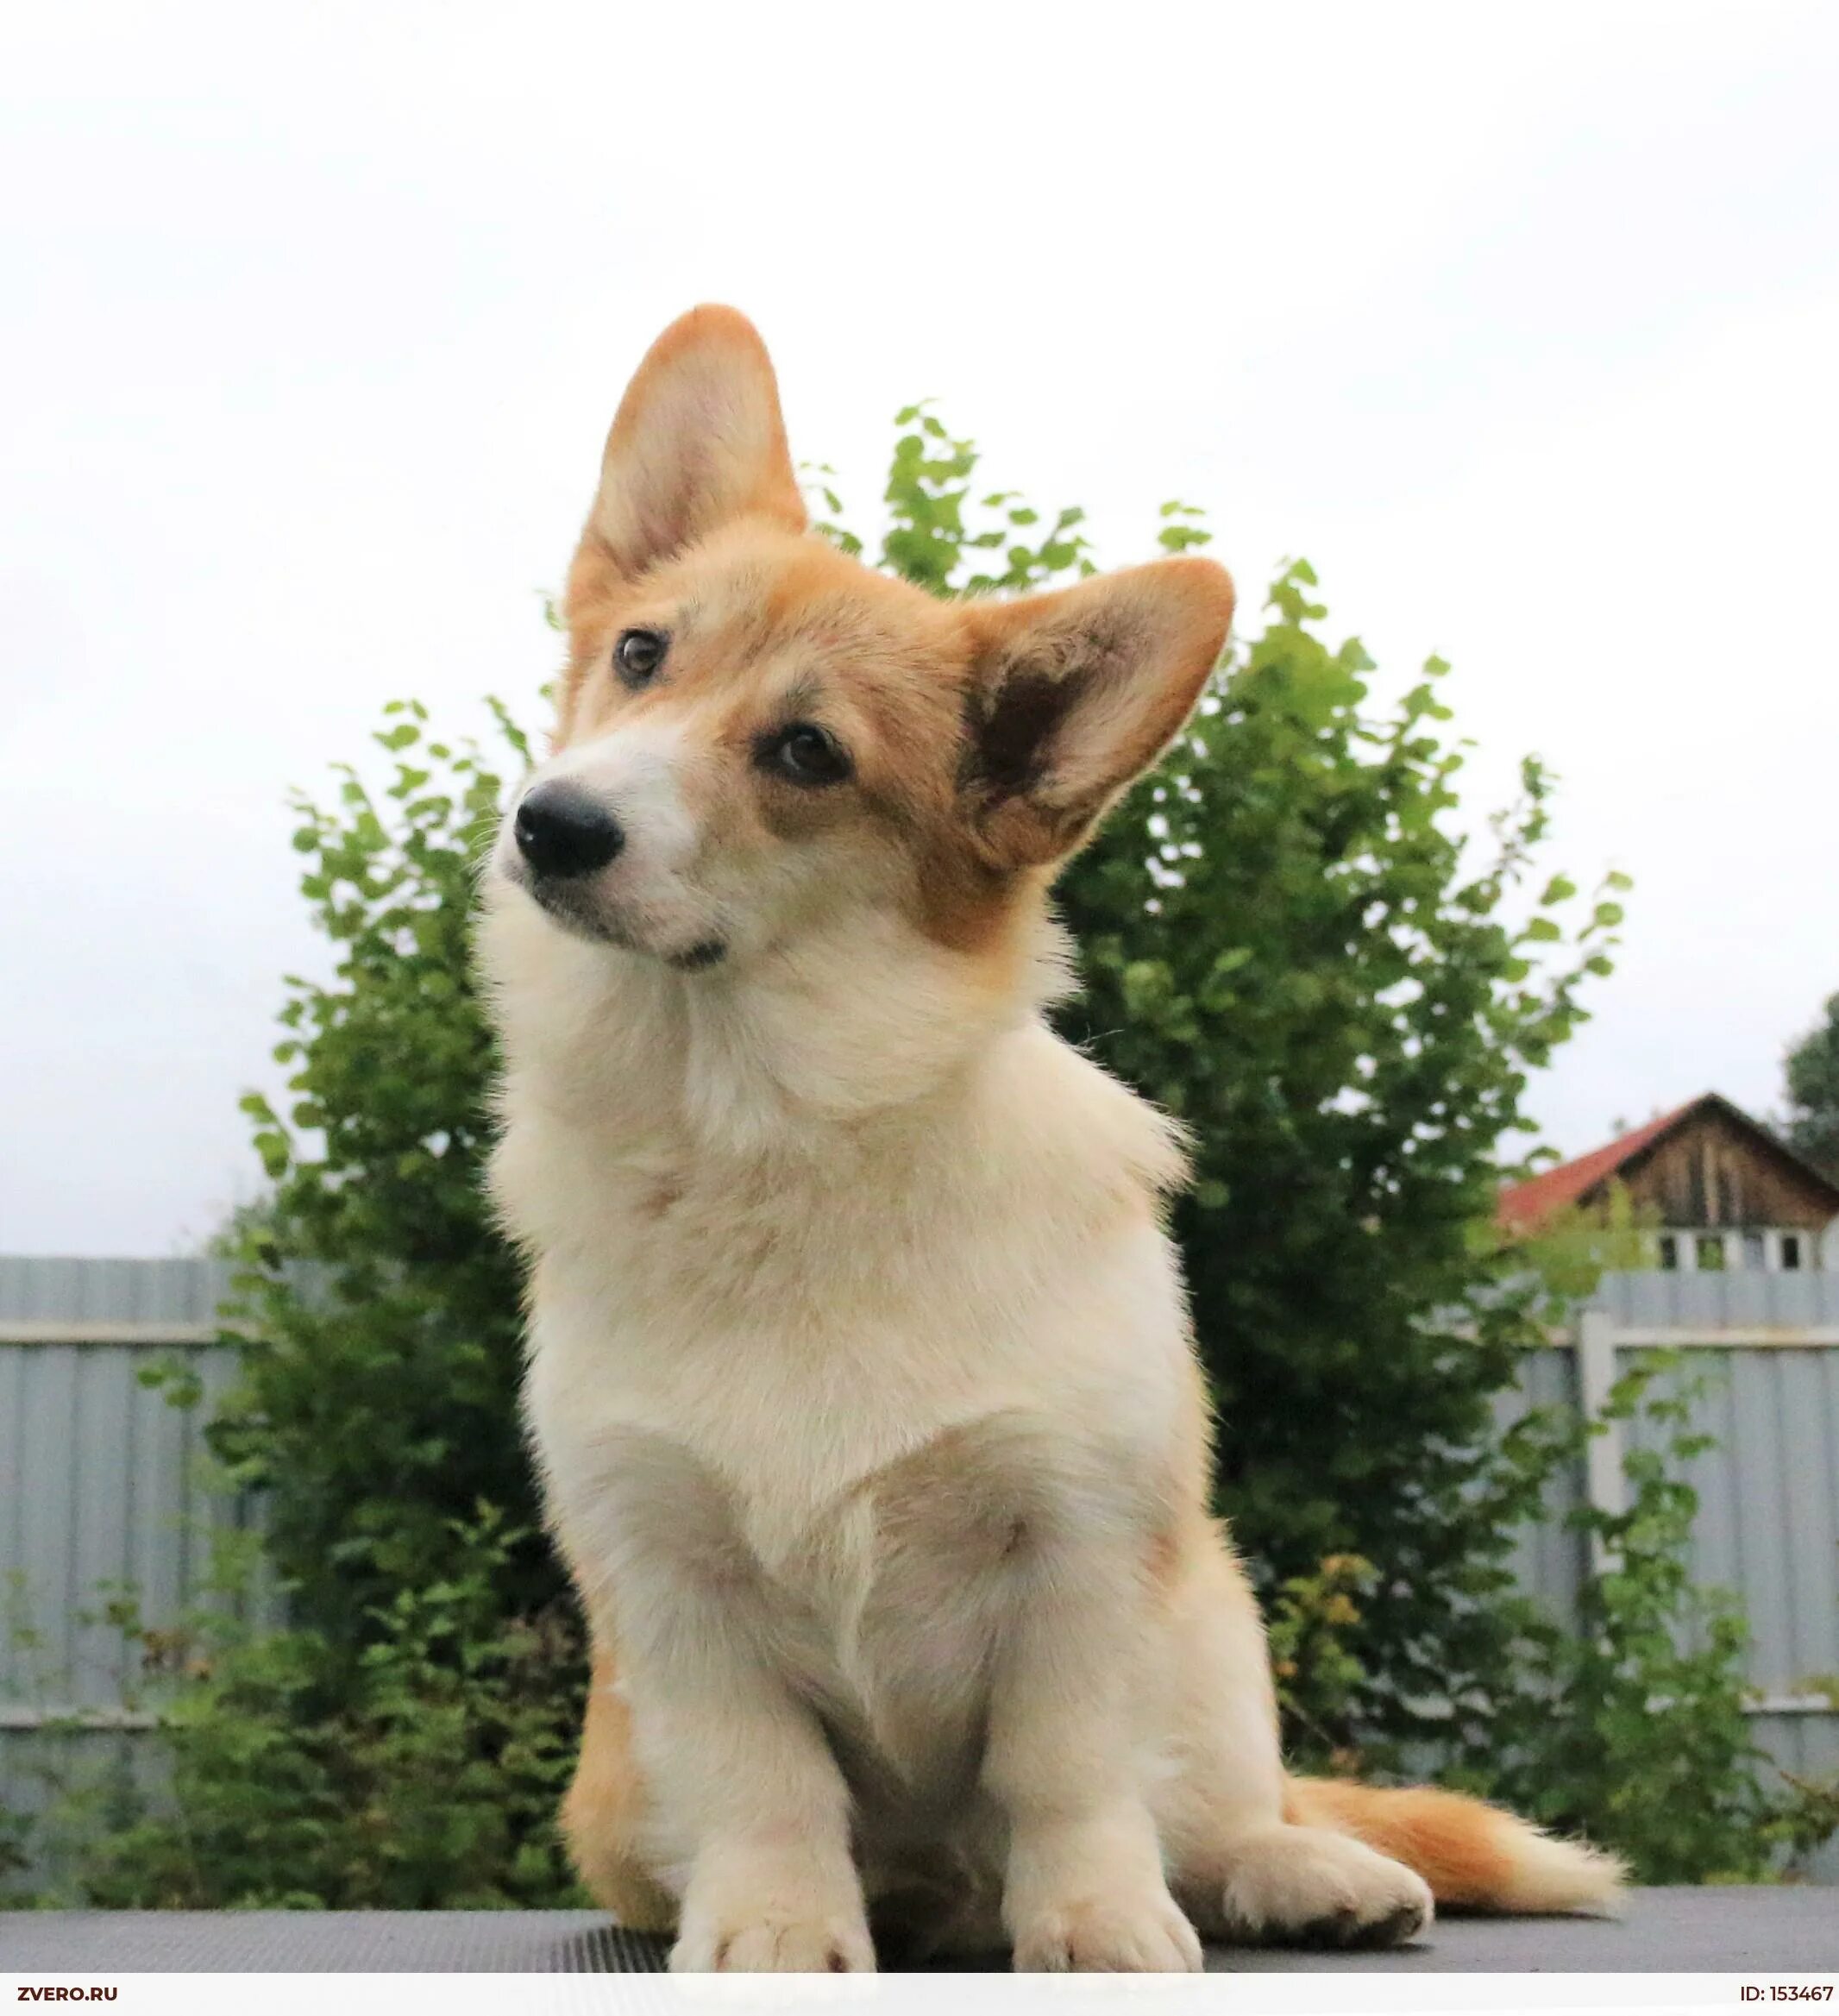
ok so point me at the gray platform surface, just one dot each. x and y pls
(1763, 1930)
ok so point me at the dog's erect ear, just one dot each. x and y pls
(698, 441)
(1074, 694)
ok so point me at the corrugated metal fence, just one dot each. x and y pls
(1763, 1351)
(102, 1484)
(103, 1494)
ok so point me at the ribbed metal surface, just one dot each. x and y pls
(324, 1942)
(1768, 1528)
(1779, 1931)
(1550, 1557)
(1768, 1525)
(1768, 1494)
(101, 1493)
(77, 1290)
(1806, 1748)
(1720, 1302)
(102, 1500)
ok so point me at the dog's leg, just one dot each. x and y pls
(1240, 1868)
(603, 1818)
(751, 1801)
(748, 1816)
(1084, 1887)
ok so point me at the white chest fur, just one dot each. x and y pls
(796, 1395)
(798, 1297)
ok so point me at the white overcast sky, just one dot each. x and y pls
(1522, 322)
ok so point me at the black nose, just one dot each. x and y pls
(562, 831)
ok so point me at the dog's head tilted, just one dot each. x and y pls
(763, 743)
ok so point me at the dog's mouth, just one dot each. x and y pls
(568, 904)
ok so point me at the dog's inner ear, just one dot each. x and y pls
(697, 442)
(1074, 694)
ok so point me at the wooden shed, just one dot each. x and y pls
(1719, 1190)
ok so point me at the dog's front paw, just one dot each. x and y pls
(1105, 1935)
(774, 1939)
(749, 1910)
(1307, 1887)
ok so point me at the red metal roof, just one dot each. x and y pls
(1524, 1205)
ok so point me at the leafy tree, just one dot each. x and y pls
(380, 1408)
(1813, 1073)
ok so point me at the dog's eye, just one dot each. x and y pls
(639, 654)
(804, 753)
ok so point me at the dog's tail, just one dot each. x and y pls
(1474, 1856)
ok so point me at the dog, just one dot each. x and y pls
(860, 1377)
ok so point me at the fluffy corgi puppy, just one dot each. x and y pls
(859, 1373)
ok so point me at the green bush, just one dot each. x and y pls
(1812, 1071)
(381, 1407)
(423, 1775)
(1285, 940)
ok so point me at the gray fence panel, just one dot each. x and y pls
(113, 1291)
(54, 1778)
(1768, 1493)
(1550, 1557)
(1768, 1524)
(103, 1494)
(1717, 1533)
(1719, 1302)
(131, 1513)
(1806, 1748)
(1807, 1390)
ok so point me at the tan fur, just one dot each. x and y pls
(605, 1811)
(859, 1371)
